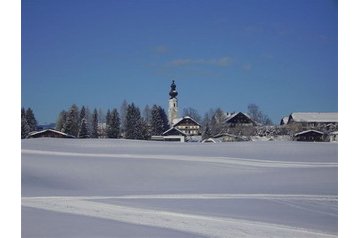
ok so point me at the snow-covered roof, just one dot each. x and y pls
(52, 130)
(178, 120)
(175, 129)
(314, 117)
(304, 132)
(284, 120)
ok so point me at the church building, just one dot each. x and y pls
(184, 127)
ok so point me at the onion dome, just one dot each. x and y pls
(173, 93)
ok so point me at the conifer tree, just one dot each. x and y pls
(108, 122)
(61, 120)
(83, 131)
(135, 126)
(159, 121)
(113, 130)
(82, 114)
(31, 120)
(94, 124)
(72, 125)
(25, 128)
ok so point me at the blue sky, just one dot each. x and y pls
(281, 55)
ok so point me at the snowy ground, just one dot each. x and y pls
(119, 188)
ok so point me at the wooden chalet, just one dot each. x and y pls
(239, 118)
(188, 126)
(49, 133)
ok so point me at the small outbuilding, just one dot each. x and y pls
(309, 135)
(49, 133)
(173, 134)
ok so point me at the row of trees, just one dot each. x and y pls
(28, 122)
(128, 123)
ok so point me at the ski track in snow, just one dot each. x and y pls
(218, 160)
(197, 224)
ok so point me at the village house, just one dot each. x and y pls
(313, 119)
(239, 119)
(187, 125)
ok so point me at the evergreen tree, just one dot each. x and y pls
(83, 131)
(72, 121)
(25, 128)
(159, 121)
(113, 130)
(135, 126)
(61, 120)
(82, 114)
(108, 122)
(31, 120)
(89, 119)
(95, 124)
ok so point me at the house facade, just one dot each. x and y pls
(188, 126)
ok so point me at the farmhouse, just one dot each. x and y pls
(187, 125)
(313, 119)
(49, 133)
(239, 118)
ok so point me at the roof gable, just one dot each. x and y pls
(187, 120)
(173, 132)
(239, 117)
(50, 130)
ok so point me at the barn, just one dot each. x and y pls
(309, 135)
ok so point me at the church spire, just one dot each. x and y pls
(173, 104)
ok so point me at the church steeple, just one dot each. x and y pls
(173, 93)
(173, 104)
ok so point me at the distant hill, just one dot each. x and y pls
(46, 126)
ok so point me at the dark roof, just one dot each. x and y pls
(173, 131)
(239, 117)
(309, 131)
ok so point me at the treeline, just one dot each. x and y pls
(28, 122)
(127, 123)
(130, 122)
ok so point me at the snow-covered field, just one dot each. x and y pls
(121, 188)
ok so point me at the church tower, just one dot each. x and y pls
(173, 104)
